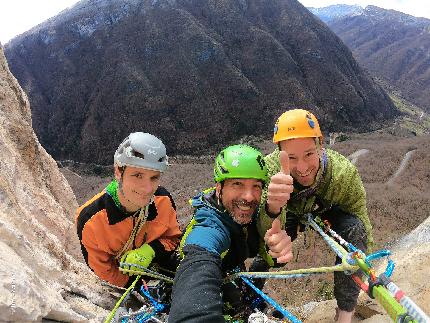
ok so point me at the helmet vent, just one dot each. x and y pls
(261, 162)
(220, 165)
(139, 155)
(223, 170)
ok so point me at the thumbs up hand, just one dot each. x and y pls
(279, 243)
(280, 187)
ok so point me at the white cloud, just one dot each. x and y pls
(18, 16)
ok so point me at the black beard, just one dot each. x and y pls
(234, 205)
(252, 204)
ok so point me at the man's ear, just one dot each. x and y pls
(319, 145)
(117, 173)
(218, 190)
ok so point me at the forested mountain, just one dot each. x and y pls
(197, 73)
(390, 44)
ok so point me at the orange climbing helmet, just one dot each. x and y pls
(296, 123)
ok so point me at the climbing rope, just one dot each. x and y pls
(143, 271)
(121, 300)
(399, 307)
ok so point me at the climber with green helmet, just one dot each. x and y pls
(133, 220)
(220, 237)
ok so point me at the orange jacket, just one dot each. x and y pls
(103, 229)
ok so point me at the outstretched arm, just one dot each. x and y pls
(196, 293)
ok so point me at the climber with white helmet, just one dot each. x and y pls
(133, 220)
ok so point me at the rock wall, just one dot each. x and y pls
(41, 273)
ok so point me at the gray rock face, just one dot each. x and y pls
(198, 74)
(41, 273)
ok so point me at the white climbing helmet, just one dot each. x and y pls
(142, 150)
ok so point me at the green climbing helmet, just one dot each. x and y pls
(240, 161)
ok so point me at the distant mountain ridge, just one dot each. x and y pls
(199, 74)
(336, 11)
(391, 44)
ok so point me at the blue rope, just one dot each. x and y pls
(269, 300)
(376, 255)
(390, 268)
(331, 243)
(144, 317)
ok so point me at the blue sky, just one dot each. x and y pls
(18, 16)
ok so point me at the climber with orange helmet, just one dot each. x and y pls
(307, 178)
(220, 237)
(133, 220)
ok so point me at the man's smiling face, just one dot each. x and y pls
(240, 197)
(303, 158)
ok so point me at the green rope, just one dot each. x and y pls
(344, 266)
(395, 310)
(142, 271)
(279, 274)
(118, 304)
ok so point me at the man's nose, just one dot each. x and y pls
(248, 195)
(301, 166)
(146, 185)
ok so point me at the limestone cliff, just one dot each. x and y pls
(41, 275)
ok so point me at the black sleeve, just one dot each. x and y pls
(291, 225)
(196, 295)
(160, 252)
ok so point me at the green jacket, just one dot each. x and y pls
(337, 183)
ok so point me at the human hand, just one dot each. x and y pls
(279, 243)
(141, 257)
(280, 187)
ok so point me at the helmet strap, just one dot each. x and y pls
(219, 197)
(318, 144)
(120, 189)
